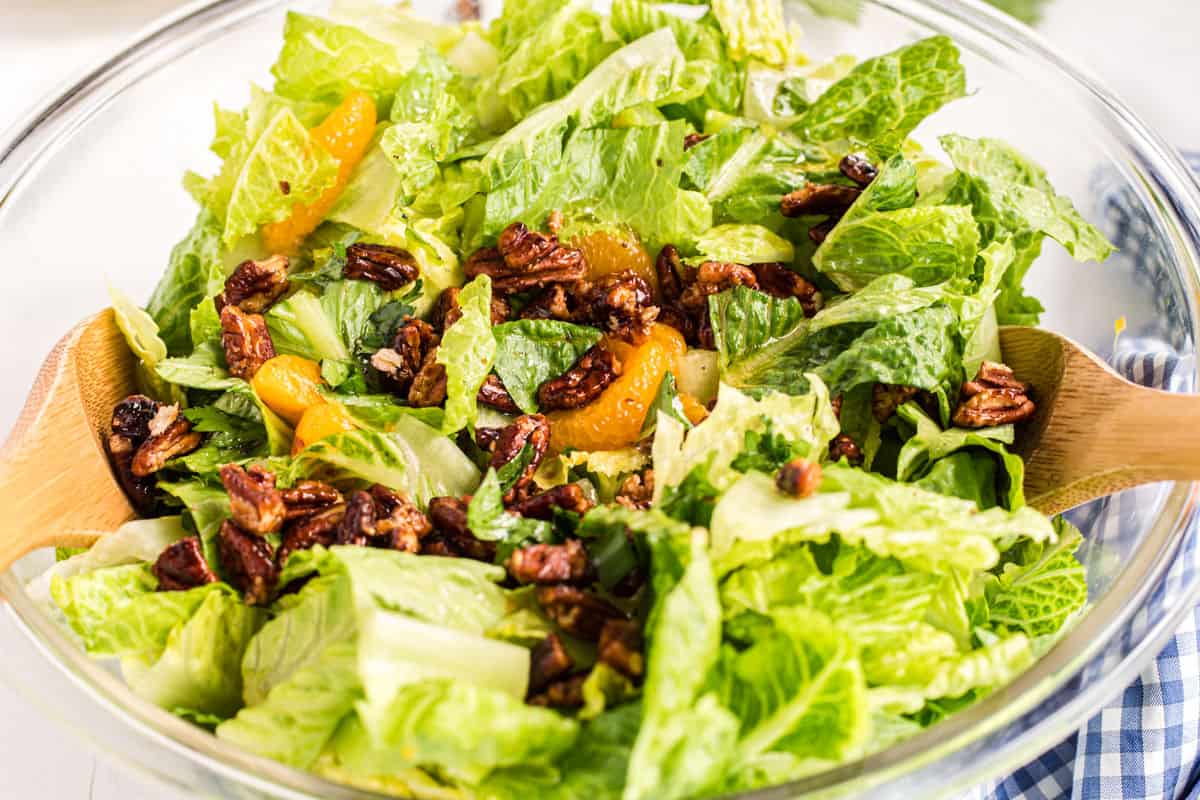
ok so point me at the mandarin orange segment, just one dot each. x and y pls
(693, 409)
(320, 422)
(345, 134)
(289, 386)
(608, 253)
(614, 420)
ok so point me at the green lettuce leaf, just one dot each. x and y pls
(467, 351)
(1041, 585)
(756, 29)
(194, 273)
(141, 334)
(489, 520)
(203, 369)
(531, 352)
(744, 244)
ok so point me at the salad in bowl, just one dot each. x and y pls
(583, 405)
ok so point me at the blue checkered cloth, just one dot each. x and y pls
(1145, 744)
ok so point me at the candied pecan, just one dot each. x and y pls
(181, 566)
(255, 285)
(621, 304)
(139, 490)
(548, 662)
(565, 693)
(820, 232)
(447, 311)
(550, 563)
(398, 523)
(390, 267)
(358, 523)
(177, 439)
(307, 498)
(414, 340)
(467, 10)
(429, 385)
(887, 397)
(579, 613)
(621, 647)
(131, 418)
(449, 515)
(581, 384)
(531, 429)
(713, 277)
(162, 420)
(315, 529)
(819, 198)
(249, 562)
(779, 281)
(994, 397)
(256, 504)
(525, 260)
(693, 139)
(486, 438)
(858, 168)
(493, 395)
(995, 376)
(637, 491)
(568, 497)
(451, 536)
(799, 477)
(552, 303)
(836, 404)
(246, 341)
(843, 446)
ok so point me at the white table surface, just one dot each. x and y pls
(1148, 58)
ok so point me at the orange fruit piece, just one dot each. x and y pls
(320, 422)
(693, 409)
(289, 386)
(614, 420)
(345, 134)
(608, 253)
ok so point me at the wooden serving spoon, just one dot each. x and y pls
(57, 487)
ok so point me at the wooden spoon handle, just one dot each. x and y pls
(54, 473)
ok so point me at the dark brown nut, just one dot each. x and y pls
(524, 260)
(565, 693)
(468, 10)
(818, 199)
(779, 281)
(400, 363)
(548, 662)
(357, 527)
(182, 566)
(255, 285)
(449, 515)
(131, 418)
(307, 498)
(637, 491)
(246, 341)
(621, 304)
(550, 563)
(579, 613)
(992, 407)
(256, 504)
(447, 311)
(858, 168)
(568, 497)
(315, 529)
(621, 647)
(532, 430)
(820, 232)
(693, 139)
(451, 536)
(177, 440)
(390, 267)
(669, 267)
(836, 404)
(887, 397)
(843, 446)
(995, 376)
(249, 563)
(399, 525)
(553, 303)
(486, 438)
(714, 277)
(594, 372)
(493, 395)
(799, 477)
(140, 491)
(162, 420)
(429, 385)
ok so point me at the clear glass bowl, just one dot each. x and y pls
(90, 191)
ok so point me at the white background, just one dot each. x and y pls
(1148, 57)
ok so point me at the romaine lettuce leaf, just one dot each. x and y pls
(531, 352)
(1040, 586)
(195, 272)
(756, 29)
(141, 334)
(203, 369)
(467, 351)
(744, 244)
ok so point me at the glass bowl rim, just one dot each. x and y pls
(31, 141)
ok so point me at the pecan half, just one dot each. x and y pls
(255, 285)
(176, 439)
(843, 446)
(429, 385)
(524, 260)
(858, 168)
(994, 397)
(577, 612)
(390, 267)
(181, 566)
(256, 504)
(553, 303)
(246, 342)
(249, 563)
(357, 527)
(451, 536)
(548, 662)
(819, 198)
(398, 523)
(568, 497)
(400, 363)
(887, 397)
(714, 277)
(531, 429)
(621, 304)
(820, 232)
(621, 647)
(637, 491)
(307, 498)
(779, 281)
(799, 477)
(592, 374)
(308, 532)
(486, 438)
(493, 395)
(565, 693)
(550, 563)
(693, 139)
(131, 418)
(996, 376)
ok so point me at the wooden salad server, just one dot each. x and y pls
(57, 487)
(1094, 433)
